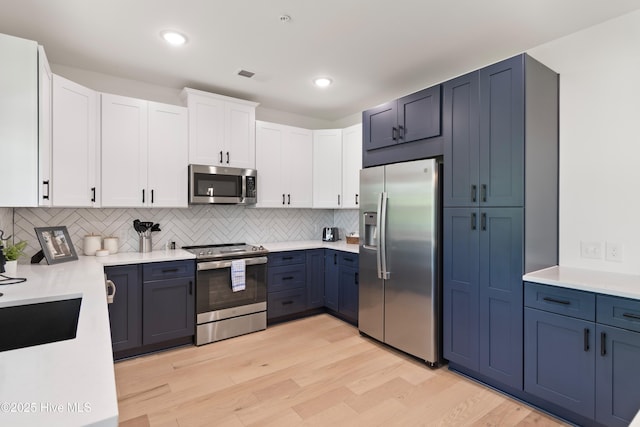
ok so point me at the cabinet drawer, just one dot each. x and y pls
(620, 312)
(348, 260)
(286, 277)
(286, 302)
(554, 299)
(167, 270)
(285, 258)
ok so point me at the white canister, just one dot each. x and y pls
(111, 244)
(91, 244)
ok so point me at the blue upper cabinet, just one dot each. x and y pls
(484, 136)
(404, 129)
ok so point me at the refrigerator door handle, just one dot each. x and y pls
(382, 226)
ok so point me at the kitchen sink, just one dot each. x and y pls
(35, 324)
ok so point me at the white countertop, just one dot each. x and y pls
(340, 245)
(622, 285)
(49, 380)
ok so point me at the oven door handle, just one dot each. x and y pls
(214, 265)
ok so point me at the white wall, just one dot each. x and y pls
(599, 140)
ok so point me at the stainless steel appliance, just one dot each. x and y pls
(220, 312)
(224, 185)
(330, 234)
(399, 278)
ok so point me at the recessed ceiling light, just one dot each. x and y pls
(322, 81)
(174, 38)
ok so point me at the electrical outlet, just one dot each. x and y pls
(591, 250)
(613, 252)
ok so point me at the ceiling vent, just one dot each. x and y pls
(245, 73)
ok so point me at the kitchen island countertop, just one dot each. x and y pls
(66, 383)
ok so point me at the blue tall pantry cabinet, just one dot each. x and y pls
(500, 215)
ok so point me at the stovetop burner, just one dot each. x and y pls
(225, 250)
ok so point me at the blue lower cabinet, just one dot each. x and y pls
(169, 309)
(286, 303)
(125, 313)
(559, 360)
(315, 278)
(348, 293)
(331, 279)
(617, 375)
(286, 284)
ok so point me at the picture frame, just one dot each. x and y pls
(56, 244)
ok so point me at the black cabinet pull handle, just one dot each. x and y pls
(603, 343)
(287, 302)
(484, 192)
(357, 278)
(356, 199)
(338, 200)
(227, 157)
(473, 221)
(335, 259)
(152, 196)
(394, 134)
(220, 156)
(586, 339)
(348, 259)
(474, 193)
(190, 287)
(287, 258)
(556, 301)
(484, 221)
(170, 270)
(93, 193)
(288, 199)
(401, 132)
(287, 278)
(143, 196)
(46, 196)
(283, 198)
(631, 316)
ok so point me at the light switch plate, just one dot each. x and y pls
(591, 250)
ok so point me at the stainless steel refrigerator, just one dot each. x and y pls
(399, 279)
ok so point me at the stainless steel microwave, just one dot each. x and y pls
(224, 185)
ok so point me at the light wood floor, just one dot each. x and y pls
(313, 371)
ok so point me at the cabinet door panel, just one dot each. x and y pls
(124, 151)
(348, 292)
(297, 163)
(558, 366)
(461, 141)
(269, 142)
(501, 294)
(206, 130)
(315, 278)
(419, 115)
(74, 156)
(331, 280)
(240, 135)
(125, 315)
(45, 83)
(379, 126)
(168, 310)
(327, 168)
(351, 165)
(502, 133)
(460, 286)
(617, 376)
(168, 155)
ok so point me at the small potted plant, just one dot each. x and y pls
(12, 252)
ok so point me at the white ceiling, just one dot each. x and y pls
(375, 50)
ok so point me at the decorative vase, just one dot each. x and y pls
(11, 268)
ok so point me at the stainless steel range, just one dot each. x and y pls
(228, 302)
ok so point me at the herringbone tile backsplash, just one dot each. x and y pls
(6, 221)
(195, 225)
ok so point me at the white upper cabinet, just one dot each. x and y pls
(221, 130)
(144, 153)
(45, 83)
(351, 165)
(18, 122)
(327, 168)
(75, 156)
(284, 164)
(168, 155)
